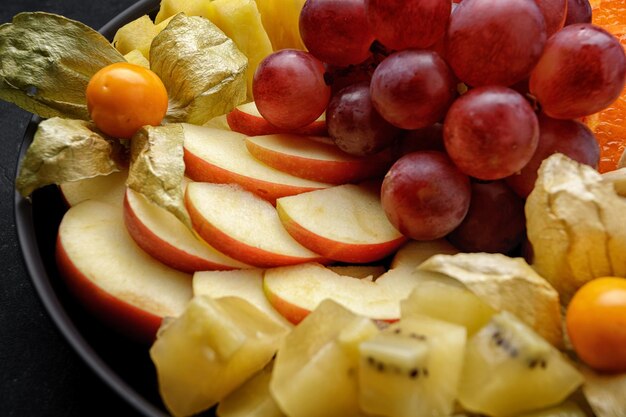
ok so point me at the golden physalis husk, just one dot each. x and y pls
(68, 150)
(506, 284)
(47, 61)
(575, 223)
(202, 69)
(157, 168)
(606, 394)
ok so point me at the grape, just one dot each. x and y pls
(578, 11)
(495, 221)
(404, 24)
(554, 13)
(495, 42)
(342, 77)
(425, 196)
(336, 31)
(491, 132)
(568, 137)
(426, 139)
(354, 125)
(289, 89)
(581, 72)
(413, 89)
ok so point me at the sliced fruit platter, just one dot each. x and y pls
(343, 208)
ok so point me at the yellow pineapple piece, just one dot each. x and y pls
(280, 19)
(136, 57)
(240, 20)
(170, 8)
(138, 35)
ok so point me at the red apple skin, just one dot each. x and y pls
(291, 312)
(331, 172)
(199, 170)
(339, 251)
(252, 125)
(237, 250)
(133, 322)
(162, 250)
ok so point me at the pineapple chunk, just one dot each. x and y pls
(240, 20)
(138, 35)
(281, 21)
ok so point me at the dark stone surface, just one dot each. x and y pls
(40, 374)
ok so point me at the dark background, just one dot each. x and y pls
(40, 375)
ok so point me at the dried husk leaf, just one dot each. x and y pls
(202, 69)
(618, 179)
(575, 223)
(157, 168)
(505, 284)
(606, 394)
(47, 61)
(136, 57)
(68, 150)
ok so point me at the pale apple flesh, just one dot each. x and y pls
(344, 223)
(243, 226)
(306, 157)
(220, 156)
(167, 239)
(106, 188)
(112, 277)
(247, 119)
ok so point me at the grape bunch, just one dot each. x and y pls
(472, 95)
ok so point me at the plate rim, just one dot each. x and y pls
(33, 261)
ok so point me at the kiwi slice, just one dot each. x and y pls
(412, 368)
(509, 369)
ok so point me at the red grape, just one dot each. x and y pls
(404, 24)
(354, 125)
(289, 89)
(578, 11)
(425, 196)
(568, 137)
(426, 139)
(413, 89)
(491, 132)
(582, 71)
(342, 77)
(554, 13)
(495, 42)
(336, 31)
(495, 221)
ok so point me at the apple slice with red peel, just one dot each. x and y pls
(220, 156)
(242, 283)
(305, 157)
(344, 223)
(112, 276)
(243, 226)
(414, 252)
(164, 237)
(106, 188)
(247, 119)
(295, 291)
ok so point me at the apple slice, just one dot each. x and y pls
(414, 252)
(242, 283)
(344, 223)
(243, 226)
(295, 291)
(106, 188)
(305, 157)
(164, 237)
(246, 119)
(112, 276)
(220, 156)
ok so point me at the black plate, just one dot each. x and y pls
(123, 365)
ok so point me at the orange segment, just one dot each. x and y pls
(609, 125)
